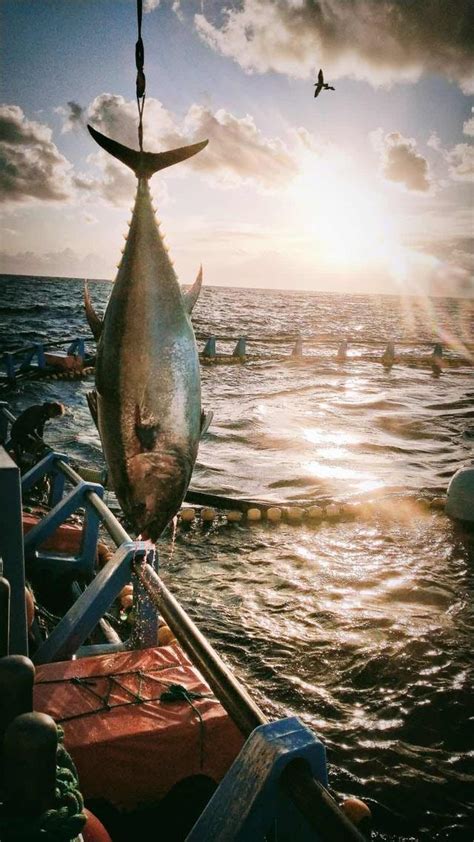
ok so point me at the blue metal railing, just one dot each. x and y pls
(32, 359)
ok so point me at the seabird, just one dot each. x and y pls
(321, 85)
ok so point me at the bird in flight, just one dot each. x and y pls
(321, 85)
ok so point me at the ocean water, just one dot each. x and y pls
(362, 628)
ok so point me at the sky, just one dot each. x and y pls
(367, 188)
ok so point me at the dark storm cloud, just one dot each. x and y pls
(31, 167)
(400, 161)
(381, 41)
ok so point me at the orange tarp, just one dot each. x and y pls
(66, 539)
(132, 752)
(68, 362)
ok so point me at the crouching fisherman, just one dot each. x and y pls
(27, 431)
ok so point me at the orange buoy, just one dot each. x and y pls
(208, 515)
(294, 514)
(356, 810)
(187, 515)
(104, 553)
(126, 596)
(94, 830)
(274, 514)
(126, 601)
(165, 636)
(254, 515)
(315, 513)
(234, 516)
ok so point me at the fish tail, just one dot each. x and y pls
(144, 164)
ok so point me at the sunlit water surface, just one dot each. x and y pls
(360, 628)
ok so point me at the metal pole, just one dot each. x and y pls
(317, 805)
(243, 710)
(11, 550)
(314, 801)
(4, 616)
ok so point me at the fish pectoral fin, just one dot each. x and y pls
(92, 403)
(96, 324)
(206, 419)
(147, 435)
(145, 431)
(192, 295)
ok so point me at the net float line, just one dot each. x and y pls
(207, 508)
(389, 358)
(330, 339)
(394, 509)
(37, 362)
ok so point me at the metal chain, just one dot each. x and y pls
(141, 82)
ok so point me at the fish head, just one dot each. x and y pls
(158, 481)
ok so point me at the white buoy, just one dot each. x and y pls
(274, 514)
(234, 516)
(254, 515)
(460, 499)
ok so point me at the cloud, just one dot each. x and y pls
(453, 271)
(65, 263)
(380, 41)
(468, 127)
(461, 162)
(31, 166)
(238, 151)
(459, 158)
(117, 117)
(74, 116)
(400, 161)
(150, 5)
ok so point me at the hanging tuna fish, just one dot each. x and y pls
(147, 401)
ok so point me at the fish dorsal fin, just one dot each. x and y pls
(95, 323)
(192, 295)
(206, 419)
(144, 164)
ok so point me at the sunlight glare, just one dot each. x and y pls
(347, 223)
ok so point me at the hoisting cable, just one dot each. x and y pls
(141, 82)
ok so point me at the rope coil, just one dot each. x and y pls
(64, 822)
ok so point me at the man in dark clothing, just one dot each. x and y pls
(27, 431)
